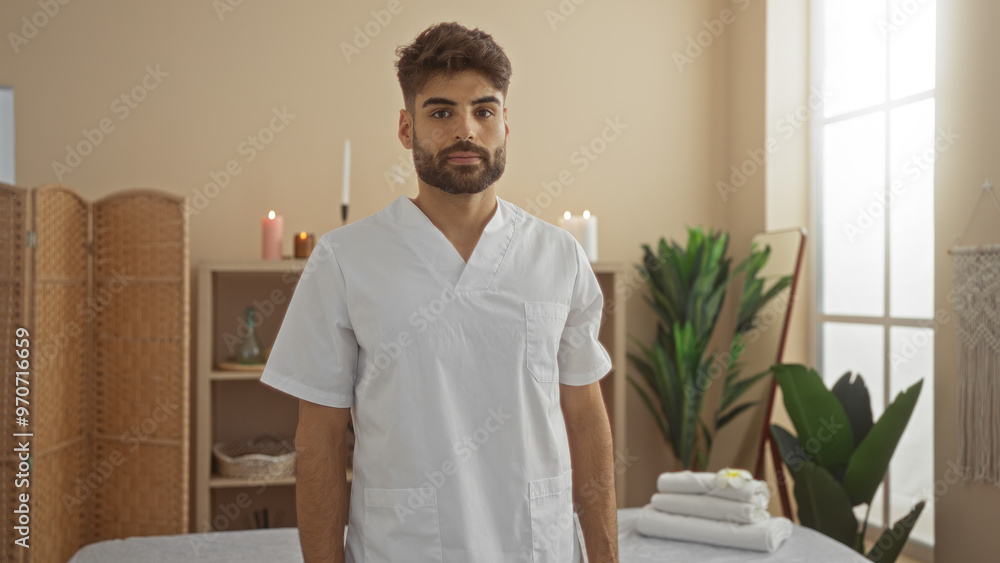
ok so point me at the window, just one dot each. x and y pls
(873, 156)
(6, 135)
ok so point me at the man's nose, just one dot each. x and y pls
(464, 129)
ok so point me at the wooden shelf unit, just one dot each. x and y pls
(230, 404)
(233, 405)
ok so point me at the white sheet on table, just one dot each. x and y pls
(282, 544)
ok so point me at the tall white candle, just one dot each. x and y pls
(584, 230)
(346, 192)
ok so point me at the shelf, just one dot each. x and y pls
(218, 482)
(222, 375)
(257, 266)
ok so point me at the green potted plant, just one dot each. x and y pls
(688, 288)
(840, 456)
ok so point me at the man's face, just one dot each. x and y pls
(459, 133)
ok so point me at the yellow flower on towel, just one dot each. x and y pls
(734, 478)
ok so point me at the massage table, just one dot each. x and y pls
(282, 544)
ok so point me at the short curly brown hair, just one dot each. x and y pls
(447, 48)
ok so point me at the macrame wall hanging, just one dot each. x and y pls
(977, 307)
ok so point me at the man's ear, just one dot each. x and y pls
(405, 129)
(506, 126)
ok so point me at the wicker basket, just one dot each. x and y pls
(264, 457)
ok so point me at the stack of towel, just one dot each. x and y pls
(728, 508)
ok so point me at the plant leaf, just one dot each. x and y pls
(870, 460)
(854, 397)
(823, 504)
(789, 448)
(819, 419)
(729, 416)
(652, 409)
(736, 390)
(895, 537)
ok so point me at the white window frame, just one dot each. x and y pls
(7, 173)
(885, 321)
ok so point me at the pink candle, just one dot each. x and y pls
(271, 227)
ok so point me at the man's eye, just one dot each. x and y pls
(439, 112)
(487, 112)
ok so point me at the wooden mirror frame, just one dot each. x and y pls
(765, 436)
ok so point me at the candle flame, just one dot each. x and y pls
(567, 215)
(303, 235)
(586, 214)
(270, 214)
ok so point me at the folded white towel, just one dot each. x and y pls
(713, 508)
(688, 482)
(762, 536)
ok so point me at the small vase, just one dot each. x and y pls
(249, 351)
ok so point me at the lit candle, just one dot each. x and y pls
(304, 243)
(584, 230)
(272, 226)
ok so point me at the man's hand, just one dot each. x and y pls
(321, 481)
(591, 454)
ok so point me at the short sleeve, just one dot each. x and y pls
(582, 358)
(315, 354)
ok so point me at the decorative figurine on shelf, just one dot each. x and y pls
(249, 351)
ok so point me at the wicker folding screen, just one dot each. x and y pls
(109, 310)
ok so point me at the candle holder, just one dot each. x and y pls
(304, 243)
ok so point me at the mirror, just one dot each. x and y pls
(739, 444)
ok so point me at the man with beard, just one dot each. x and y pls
(461, 334)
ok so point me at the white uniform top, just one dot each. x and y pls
(453, 373)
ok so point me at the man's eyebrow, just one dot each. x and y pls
(447, 102)
(438, 102)
(486, 100)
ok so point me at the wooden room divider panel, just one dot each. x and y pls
(104, 291)
(62, 374)
(142, 363)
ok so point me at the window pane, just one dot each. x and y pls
(911, 219)
(860, 350)
(853, 54)
(911, 472)
(911, 32)
(7, 135)
(853, 216)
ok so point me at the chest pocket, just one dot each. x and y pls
(544, 323)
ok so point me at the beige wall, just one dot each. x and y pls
(224, 78)
(968, 80)
(742, 195)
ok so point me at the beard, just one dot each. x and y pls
(435, 169)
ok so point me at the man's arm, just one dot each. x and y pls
(321, 481)
(592, 457)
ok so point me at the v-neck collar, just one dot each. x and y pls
(442, 258)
